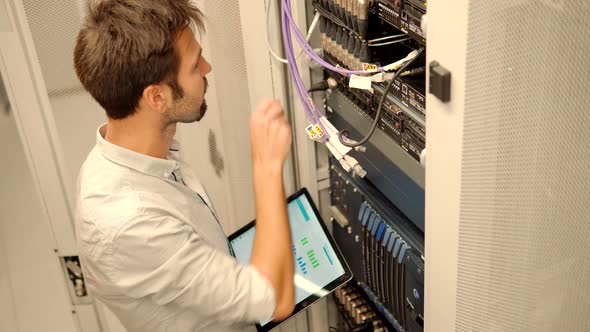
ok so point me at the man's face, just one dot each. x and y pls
(192, 70)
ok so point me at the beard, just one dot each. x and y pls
(202, 110)
(186, 110)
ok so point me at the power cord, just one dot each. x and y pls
(343, 134)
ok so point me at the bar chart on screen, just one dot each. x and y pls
(314, 256)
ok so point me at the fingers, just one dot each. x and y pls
(270, 108)
(270, 135)
(269, 115)
(263, 106)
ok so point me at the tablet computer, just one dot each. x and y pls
(319, 265)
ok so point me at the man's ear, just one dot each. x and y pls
(155, 97)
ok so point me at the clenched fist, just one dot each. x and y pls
(270, 136)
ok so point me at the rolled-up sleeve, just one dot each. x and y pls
(163, 259)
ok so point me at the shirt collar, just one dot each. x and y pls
(137, 161)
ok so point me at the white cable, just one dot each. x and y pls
(398, 64)
(389, 42)
(268, 46)
(385, 38)
(314, 24)
(392, 66)
(312, 27)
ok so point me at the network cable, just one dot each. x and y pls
(321, 129)
(309, 106)
(330, 83)
(268, 46)
(272, 52)
(292, 26)
(390, 42)
(383, 39)
(335, 20)
(288, 26)
(415, 71)
(343, 134)
(288, 20)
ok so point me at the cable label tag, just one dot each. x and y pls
(369, 67)
(311, 133)
(314, 131)
(318, 130)
(360, 82)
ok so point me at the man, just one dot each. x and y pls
(151, 247)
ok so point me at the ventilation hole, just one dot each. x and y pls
(214, 155)
(4, 102)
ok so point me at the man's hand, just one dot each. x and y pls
(270, 136)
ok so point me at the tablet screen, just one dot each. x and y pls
(318, 266)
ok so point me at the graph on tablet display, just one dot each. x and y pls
(316, 263)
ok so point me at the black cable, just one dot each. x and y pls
(330, 83)
(335, 19)
(343, 133)
(319, 88)
(415, 71)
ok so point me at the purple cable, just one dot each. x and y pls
(310, 52)
(293, 70)
(311, 110)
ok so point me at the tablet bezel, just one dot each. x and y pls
(332, 286)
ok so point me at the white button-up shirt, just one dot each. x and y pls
(153, 251)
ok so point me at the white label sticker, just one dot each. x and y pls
(360, 82)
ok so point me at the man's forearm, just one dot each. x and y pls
(271, 253)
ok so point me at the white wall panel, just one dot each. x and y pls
(31, 272)
(7, 306)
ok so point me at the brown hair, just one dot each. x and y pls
(127, 45)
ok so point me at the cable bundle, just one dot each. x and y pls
(324, 131)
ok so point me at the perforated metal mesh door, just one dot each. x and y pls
(524, 253)
(225, 40)
(54, 26)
